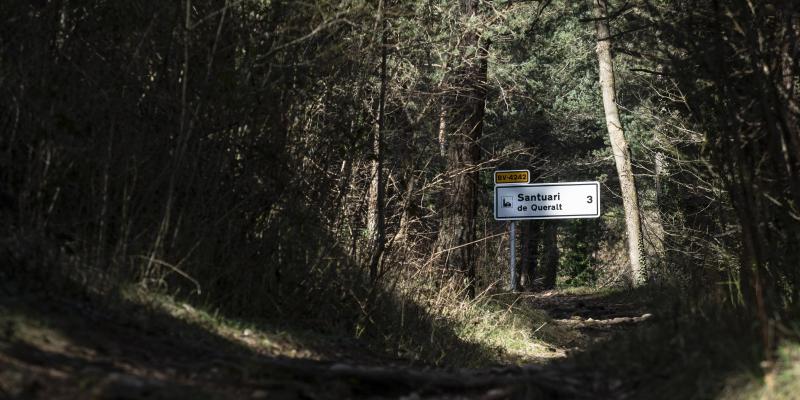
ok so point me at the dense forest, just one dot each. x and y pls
(326, 167)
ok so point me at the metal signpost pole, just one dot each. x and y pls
(511, 177)
(512, 262)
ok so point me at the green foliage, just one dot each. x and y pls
(577, 265)
(227, 158)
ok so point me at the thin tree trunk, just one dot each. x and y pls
(409, 157)
(619, 145)
(377, 214)
(443, 130)
(551, 255)
(530, 253)
(656, 235)
(402, 230)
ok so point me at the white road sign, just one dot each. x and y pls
(563, 200)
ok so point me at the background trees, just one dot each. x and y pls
(742, 97)
(258, 154)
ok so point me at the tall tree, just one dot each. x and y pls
(465, 109)
(530, 253)
(619, 145)
(551, 255)
(377, 213)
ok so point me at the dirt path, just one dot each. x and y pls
(67, 352)
(593, 317)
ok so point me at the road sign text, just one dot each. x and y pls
(547, 201)
(515, 176)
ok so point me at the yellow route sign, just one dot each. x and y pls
(511, 176)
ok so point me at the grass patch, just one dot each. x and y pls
(787, 373)
(589, 290)
(266, 337)
(520, 333)
(781, 383)
(715, 354)
(443, 330)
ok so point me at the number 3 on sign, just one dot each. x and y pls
(588, 199)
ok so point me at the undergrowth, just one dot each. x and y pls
(406, 327)
(694, 352)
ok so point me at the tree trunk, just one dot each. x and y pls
(653, 224)
(443, 130)
(619, 145)
(466, 112)
(376, 226)
(530, 253)
(405, 218)
(551, 255)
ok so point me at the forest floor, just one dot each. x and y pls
(58, 349)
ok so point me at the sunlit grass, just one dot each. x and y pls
(507, 324)
(787, 373)
(782, 383)
(504, 326)
(259, 336)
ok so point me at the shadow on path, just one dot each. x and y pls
(51, 349)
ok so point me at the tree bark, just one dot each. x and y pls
(551, 255)
(466, 112)
(376, 227)
(654, 231)
(530, 253)
(443, 130)
(619, 145)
